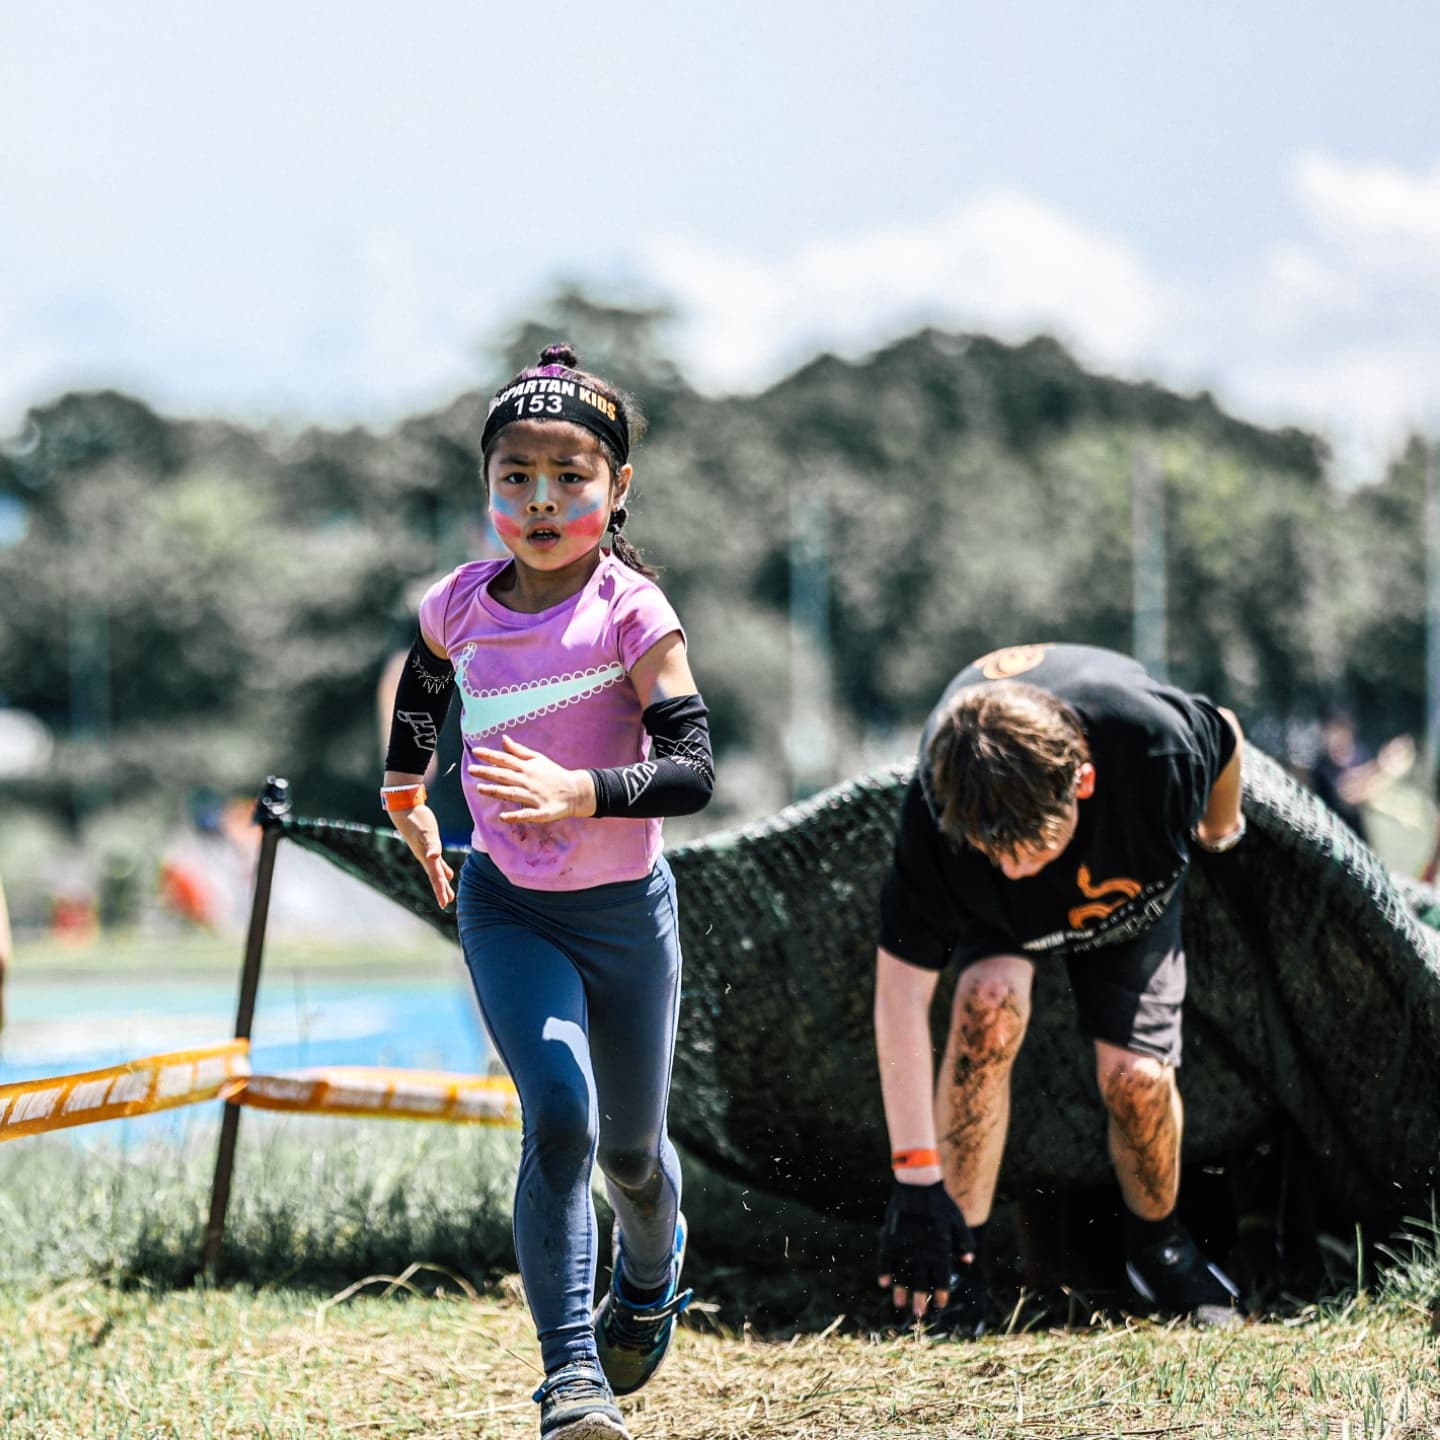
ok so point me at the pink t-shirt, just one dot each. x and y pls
(559, 682)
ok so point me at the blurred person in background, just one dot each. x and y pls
(1059, 793)
(1346, 778)
(1430, 870)
(584, 728)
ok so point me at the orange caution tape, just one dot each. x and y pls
(393, 1094)
(187, 1077)
(158, 1082)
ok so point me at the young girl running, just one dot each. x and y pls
(583, 728)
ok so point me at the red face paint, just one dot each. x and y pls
(589, 525)
(507, 527)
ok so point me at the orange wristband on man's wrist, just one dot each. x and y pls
(914, 1159)
(402, 797)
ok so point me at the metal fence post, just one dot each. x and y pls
(271, 808)
(1148, 555)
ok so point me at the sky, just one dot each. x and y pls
(326, 211)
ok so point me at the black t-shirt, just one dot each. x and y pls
(1157, 753)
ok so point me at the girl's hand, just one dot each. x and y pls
(420, 830)
(543, 790)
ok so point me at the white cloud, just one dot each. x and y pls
(1340, 330)
(1366, 204)
(1302, 281)
(1003, 263)
(1363, 397)
(1335, 326)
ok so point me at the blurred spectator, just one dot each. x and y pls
(205, 873)
(185, 891)
(1346, 779)
(1430, 871)
(1432, 866)
(7, 948)
(74, 915)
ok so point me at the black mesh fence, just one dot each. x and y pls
(1314, 1002)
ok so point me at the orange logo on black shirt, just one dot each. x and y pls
(1120, 887)
(1014, 660)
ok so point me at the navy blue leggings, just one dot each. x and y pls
(580, 991)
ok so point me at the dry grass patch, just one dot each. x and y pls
(88, 1360)
(1372, 1376)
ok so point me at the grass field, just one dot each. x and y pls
(367, 1291)
(89, 1358)
(315, 1328)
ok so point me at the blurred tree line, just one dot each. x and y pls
(199, 604)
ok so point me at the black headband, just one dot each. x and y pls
(555, 392)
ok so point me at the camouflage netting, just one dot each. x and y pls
(1314, 999)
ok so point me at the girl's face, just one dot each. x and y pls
(551, 492)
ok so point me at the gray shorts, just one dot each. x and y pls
(1129, 994)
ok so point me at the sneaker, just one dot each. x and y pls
(632, 1339)
(1177, 1279)
(577, 1404)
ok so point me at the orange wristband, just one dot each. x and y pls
(402, 797)
(914, 1159)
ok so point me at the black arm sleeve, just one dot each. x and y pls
(422, 701)
(679, 776)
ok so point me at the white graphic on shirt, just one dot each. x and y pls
(486, 711)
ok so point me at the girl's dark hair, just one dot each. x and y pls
(1005, 759)
(565, 354)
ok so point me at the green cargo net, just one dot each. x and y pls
(1314, 998)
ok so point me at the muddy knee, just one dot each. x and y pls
(1137, 1091)
(560, 1128)
(632, 1170)
(989, 1020)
